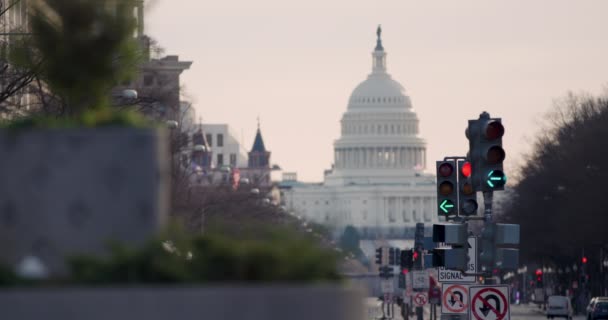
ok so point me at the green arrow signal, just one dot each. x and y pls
(496, 177)
(446, 206)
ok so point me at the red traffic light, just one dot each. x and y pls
(446, 169)
(494, 130)
(584, 259)
(466, 169)
(405, 271)
(415, 255)
(538, 272)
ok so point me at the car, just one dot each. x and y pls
(600, 310)
(559, 306)
(591, 304)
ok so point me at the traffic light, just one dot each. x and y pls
(401, 281)
(446, 187)
(539, 278)
(415, 258)
(584, 260)
(486, 153)
(467, 197)
(394, 255)
(386, 272)
(454, 235)
(407, 259)
(379, 256)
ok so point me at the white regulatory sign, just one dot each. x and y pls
(387, 286)
(445, 275)
(489, 303)
(420, 279)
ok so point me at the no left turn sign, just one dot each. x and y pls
(489, 303)
(420, 299)
(455, 299)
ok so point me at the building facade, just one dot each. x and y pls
(227, 149)
(376, 183)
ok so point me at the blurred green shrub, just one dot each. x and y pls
(278, 256)
(88, 119)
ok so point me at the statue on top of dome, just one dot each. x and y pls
(379, 41)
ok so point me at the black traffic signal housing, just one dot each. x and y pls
(446, 187)
(401, 283)
(486, 153)
(394, 255)
(407, 259)
(385, 272)
(379, 256)
(539, 278)
(467, 197)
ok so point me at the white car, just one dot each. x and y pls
(559, 306)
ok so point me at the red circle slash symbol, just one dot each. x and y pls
(499, 308)
(420, 299)
(454, 298)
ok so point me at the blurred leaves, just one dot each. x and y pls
(277, 256)
(88, 119)
(86, 48)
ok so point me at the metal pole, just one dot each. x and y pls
(487, 235)
(418, 247)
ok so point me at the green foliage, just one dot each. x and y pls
(349, 241)
(277, 256)
(88, 119)
(8, 277)
(86, 48)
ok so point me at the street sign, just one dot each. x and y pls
(386, 286)
(446, 275)
(489, 303)
(455, 298)
(420, 279)
(420, 299)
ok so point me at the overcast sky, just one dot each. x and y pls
(295, 64)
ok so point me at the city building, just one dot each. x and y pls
(158, 79)
(376, 183)
(227, 150)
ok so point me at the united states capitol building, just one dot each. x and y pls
(376, 183)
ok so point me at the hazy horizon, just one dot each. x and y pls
(296, 64)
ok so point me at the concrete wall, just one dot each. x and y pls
(225, 303)
(69, 191)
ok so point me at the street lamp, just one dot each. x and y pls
(172, 124)
(129, 94)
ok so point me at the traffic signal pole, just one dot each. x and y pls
(487, 236)
(418, 263)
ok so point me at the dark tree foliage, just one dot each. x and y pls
(349, 241)
(14, 80)
(559, 199)
(85, 46)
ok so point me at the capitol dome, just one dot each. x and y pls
(379, 140)
(379, 90)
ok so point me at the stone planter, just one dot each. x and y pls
(69, 191)
(213, 303)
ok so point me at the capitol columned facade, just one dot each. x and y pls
(376, 183)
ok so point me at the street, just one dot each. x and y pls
(518, 312)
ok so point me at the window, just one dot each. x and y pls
(209, 139)
(148, 80)
(233, 159)
(220, 140)
(220, 160)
